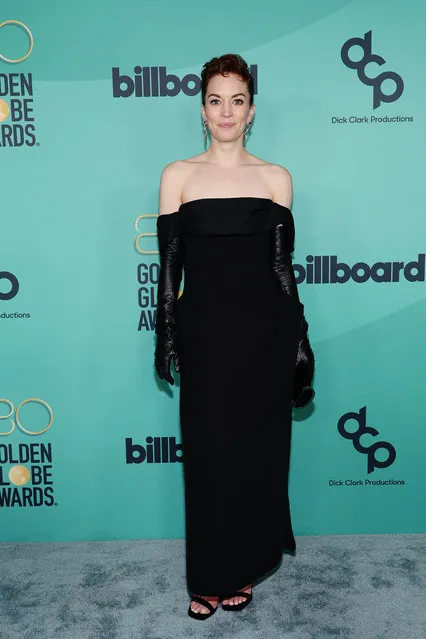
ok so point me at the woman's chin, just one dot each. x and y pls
(227, 135)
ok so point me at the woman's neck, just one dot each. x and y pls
(228, 155)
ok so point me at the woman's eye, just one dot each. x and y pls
(213, 101)
(239, 101)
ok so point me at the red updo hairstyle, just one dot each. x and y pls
(224, 65)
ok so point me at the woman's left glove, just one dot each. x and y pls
(303, 393)
(171, 262)
(282, 266)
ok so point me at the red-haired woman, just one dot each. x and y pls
(238, 338)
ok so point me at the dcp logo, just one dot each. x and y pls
(363, 429)
(359, 65)
(30, 36)
(14, 285)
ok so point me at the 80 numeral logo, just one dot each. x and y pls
(18, 422)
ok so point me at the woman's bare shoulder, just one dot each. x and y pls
(173, 169)
(269, 167)
(174, 176)
(274, 171)
(178, 166)
(280, 182)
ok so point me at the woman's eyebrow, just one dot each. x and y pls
(232, 96)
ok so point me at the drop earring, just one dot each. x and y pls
(247, 131)
(205, 132)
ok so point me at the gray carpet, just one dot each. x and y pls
(354, 587)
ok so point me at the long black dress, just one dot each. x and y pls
(237, 338)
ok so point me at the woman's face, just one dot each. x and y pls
(227, 108)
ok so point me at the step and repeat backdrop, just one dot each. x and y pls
(95, 99)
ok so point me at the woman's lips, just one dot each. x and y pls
(226, 126)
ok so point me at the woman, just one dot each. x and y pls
(238, 338)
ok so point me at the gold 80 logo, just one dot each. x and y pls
(18, 422)
(30, 37)
(144, 234)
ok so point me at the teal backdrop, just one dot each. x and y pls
(90, 444)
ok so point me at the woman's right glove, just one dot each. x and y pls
(171, 262)
(282, 266)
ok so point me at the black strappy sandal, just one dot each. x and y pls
(202, 615)
(240, 606)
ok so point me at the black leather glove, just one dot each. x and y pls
(303, 393)
(282, 266)
(171, 262)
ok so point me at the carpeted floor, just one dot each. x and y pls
(354, 587)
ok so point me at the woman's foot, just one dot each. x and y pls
(198, 607)
(234, 601)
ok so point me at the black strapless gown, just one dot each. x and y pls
(237, 336)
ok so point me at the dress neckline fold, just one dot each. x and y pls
(232, 198)
(214, 216)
